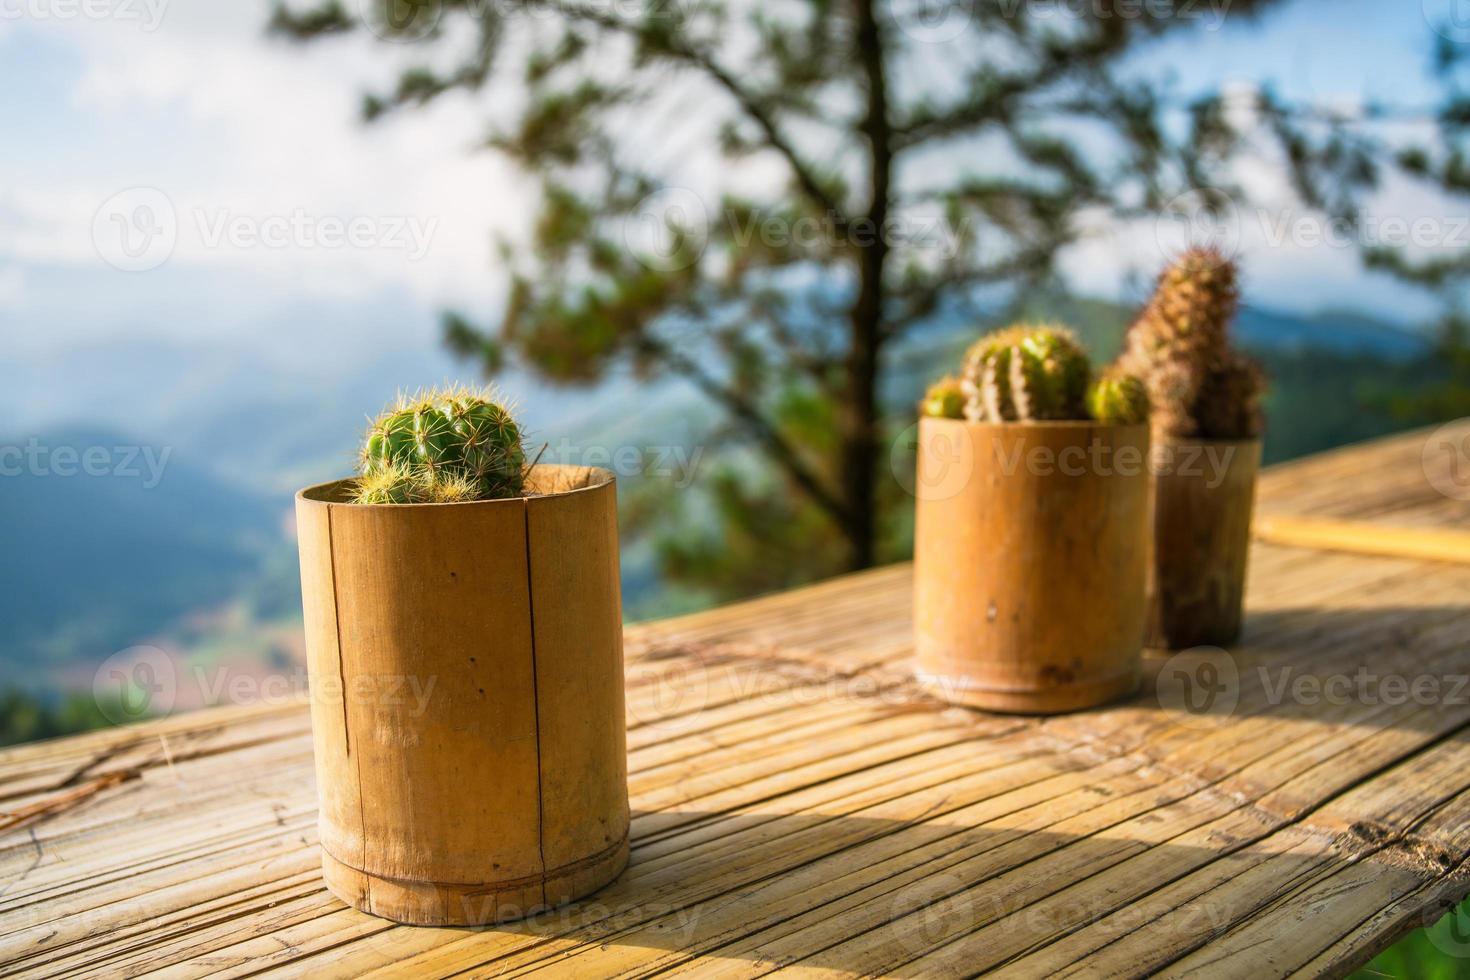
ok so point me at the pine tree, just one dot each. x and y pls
(992, 126)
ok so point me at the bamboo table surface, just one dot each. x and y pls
(798, 805)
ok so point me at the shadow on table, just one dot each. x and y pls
(963, 882)
(1384, 667)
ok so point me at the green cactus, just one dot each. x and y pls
(1198, 385)
(441, 446)
(944, 399)
(1025, 373)
(1118, 399)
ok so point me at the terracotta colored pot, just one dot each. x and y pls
(467, 698)
(1030, 550)
(1204, 492)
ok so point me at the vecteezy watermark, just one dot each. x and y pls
(938, 21)
(403, 20)
(668, 693)
(925, 913)
(147, 14)
(412, 235)
(147, 681)
(136, 683)
(135, 230)
(1446, 459)
(676, 463)
(1451, 934)
(668, 230)
(928, 913)
(1201, 687)
(1363, 228)
(671, 228)
(138, 229)
(1449, 18)
(1205, 217)
(34, 458)
(1365, 687)
(942, 463)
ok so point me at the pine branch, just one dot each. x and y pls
(751, 419)
(679, 49)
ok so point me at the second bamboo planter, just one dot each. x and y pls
(467, 698)
(1204, 492)
(1031, 543)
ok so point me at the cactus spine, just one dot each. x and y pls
(441, 446)
(1199, 386)
(1025, 373)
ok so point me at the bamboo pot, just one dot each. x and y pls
(1204, 491)
(1031, 542)
(467, 698)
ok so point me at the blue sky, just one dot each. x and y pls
(230, 125)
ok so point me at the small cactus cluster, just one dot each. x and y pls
(944, 399)
(1035, 373)
(1198, 384)
(441, 446)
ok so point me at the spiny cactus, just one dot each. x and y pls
(441, 446)
(1180, 345)
(944, 399)
(1025, 373)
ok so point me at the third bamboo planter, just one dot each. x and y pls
(467, 698)
(1030, 550)
(1204, 492)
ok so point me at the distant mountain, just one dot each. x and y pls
(1340, 332)
(107, 537)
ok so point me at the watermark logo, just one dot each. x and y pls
(1446, 459)
(1451, 934)
(1450, 19)
(668, 230)
(1202, 218)
(136, 229)
(938, 469)
(1199, 687)
(403, 21)
(932, 21)
(134, 684)
(924, 913)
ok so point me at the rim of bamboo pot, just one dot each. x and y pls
(569, 478)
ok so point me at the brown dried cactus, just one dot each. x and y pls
(1198, 385)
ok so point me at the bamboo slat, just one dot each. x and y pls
(799, 805)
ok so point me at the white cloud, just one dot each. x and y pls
(225, 121)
